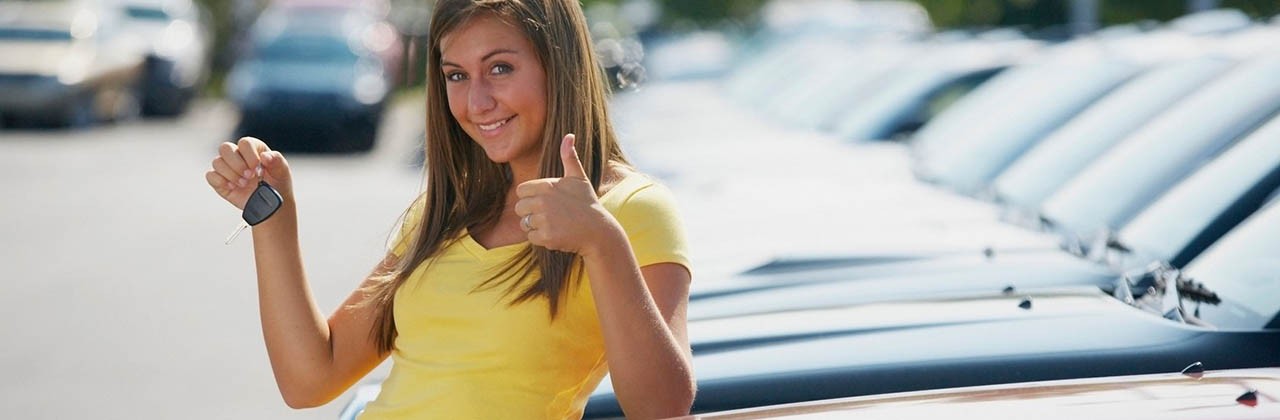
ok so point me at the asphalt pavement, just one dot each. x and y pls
(120, 299)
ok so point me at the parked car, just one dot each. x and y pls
(1221, 310)
(1113, 118)
(1194, 395)
(76, 68)
(1174, 230)
(179, 52)
(310, 81)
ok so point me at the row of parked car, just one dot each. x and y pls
(73, 63)
(1143, 165)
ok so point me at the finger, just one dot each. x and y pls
(251, 150)
(537, 237)
(274, 164)
(526, 223)
(218, 182)
(569, 157)
(220, 166)
(522, 207)
(531, 188)
(231, 155)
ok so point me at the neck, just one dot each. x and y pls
(523, 171)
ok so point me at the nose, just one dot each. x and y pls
(480, 97)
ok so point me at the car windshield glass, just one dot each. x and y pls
(34, 34)
(311, 48)
(1120, 184)
(833, 87)
(1034, 177)
(146, 13)
(1169, 225)
(1243, 270)
(870, 115)
(967, 148)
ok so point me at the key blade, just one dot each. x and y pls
(236, 233)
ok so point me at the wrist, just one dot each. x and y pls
(284, 220)
(610, 241)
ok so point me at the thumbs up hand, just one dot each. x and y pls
(564, 213)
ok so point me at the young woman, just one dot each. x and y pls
(536, 260)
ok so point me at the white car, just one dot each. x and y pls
(66, 64)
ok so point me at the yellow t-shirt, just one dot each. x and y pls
(463, 353)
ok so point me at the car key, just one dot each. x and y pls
(263, 203)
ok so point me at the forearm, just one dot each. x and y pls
(651, 373)
(295, 331)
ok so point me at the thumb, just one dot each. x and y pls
(569, 157)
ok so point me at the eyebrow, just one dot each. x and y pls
(485, 58)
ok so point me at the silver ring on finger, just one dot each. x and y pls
(526, 222)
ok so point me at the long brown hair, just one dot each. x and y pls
(464, 189)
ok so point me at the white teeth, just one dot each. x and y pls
(494, 126)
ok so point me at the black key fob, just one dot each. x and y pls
(263, 203)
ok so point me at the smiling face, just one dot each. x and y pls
(496, 87)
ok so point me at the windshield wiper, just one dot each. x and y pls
(1160, 275)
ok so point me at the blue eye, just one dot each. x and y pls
(455, 77)
(501, 69)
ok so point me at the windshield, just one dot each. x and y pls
(23, 34)
(1034, 177)
(1169, 225)
(840, 85)
(307, 48)
(875, 117)
(967, 148)
(1245, 272)
(1116, 187)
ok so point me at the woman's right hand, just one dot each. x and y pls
(233, 175)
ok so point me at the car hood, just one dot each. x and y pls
(1005, 264)
(1158, 396)
(928, 344)
(896, 281)
(40, 58)
(898, 317)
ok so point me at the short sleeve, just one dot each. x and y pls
(653, 227)
(409, 226)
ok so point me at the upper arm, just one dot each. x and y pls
(350, 333)
(668, 283)
(657, 237)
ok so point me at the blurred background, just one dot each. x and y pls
(123, 302)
